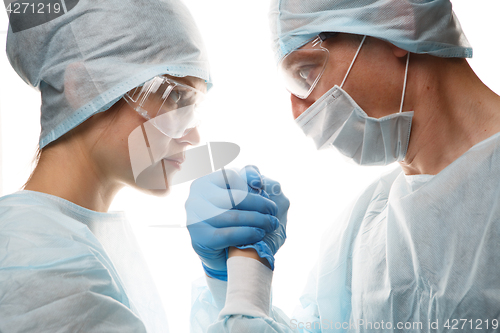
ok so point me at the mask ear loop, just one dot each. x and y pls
(353, 60)
(404, 85)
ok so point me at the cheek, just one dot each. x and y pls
(160, 145)
(148, 139)
(147, 148)
(332, 76)
(113, 153)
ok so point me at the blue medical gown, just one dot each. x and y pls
(64, 268)
(410, 250)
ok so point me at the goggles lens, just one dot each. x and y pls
(170, 105)
(301, 69)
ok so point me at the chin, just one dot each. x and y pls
(153, 181)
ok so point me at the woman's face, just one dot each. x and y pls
(136, 153)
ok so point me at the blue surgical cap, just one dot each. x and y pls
(418, 26)
(85, 60)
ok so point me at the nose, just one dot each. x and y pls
(191, 138)
(299, 105)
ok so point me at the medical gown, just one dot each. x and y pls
(64, 268)
(417, 253)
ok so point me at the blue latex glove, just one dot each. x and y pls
(218, 217)
(270, 244)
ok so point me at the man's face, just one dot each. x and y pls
(375, 81)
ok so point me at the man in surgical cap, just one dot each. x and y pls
(66, 264)
(385, 81)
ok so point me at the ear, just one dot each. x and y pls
(398, 52)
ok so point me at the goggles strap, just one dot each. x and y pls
(167, 91)
(353, 60)
(404, 84)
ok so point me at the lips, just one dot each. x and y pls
(177, 158)
(180, 161)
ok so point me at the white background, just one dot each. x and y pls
(249, 107)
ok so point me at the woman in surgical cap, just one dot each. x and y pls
(120, 81)
(384, 81)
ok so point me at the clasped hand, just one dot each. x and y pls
(235, 208)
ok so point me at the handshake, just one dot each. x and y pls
(235, 208)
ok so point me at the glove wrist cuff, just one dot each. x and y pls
(219, 275)
(262, 250)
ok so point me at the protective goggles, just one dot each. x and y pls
(301, 69)
(169, 105)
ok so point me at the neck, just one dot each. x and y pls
(65, 171)
(453, 111)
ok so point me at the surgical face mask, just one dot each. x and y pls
(336, 120)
